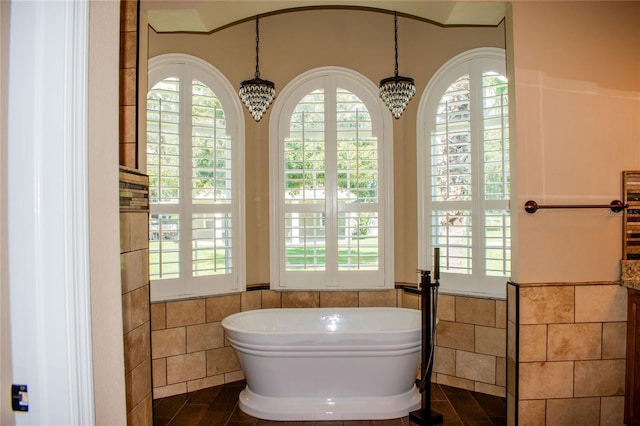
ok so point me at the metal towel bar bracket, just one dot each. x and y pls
(615, 206)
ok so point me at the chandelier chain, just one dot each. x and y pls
(257, 47)
(395, 24)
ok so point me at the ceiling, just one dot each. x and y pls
(211, 15)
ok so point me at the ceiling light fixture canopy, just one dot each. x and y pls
(257, 94)
(397, 91)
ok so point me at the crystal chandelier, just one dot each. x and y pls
(396, 91)
(257, 94)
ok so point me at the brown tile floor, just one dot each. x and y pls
(218, 406)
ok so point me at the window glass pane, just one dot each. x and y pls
(451, 145)
(211, 244)
(164, 246)
(358, 243)
(163, 141)
(451, 231)
(211, 148)
(497, 228)
(357, 151)
(495, 117)
(305, 243)
(304, 152)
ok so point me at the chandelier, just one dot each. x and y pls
(396, 91)
(257, 94)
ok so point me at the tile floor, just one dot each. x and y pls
(218, 406)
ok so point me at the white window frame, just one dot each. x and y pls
(469, 62)
(188, 68)
(290, 96)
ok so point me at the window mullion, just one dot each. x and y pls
(186, 174)
(477, 166)
(331, 202)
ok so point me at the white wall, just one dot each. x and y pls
(60, 310)
(104, 214)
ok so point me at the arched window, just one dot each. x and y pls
(464, 174)
(331, 184)
(195, 163)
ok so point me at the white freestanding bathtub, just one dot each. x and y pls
(327, 363)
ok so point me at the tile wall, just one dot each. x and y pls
(134, 272)
(567, 349)
(189, 351)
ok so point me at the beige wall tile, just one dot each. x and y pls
(169, 342)
(511, 302)
(574, 341)
(532, 413)
(511, 410)
(134, 269)
(128, 50)
(601, 303)
(271, 299)
(542, 305)
(456, 382)
(378, 298)
(203, 337)
(138, 384)
(125, 225)
(127, 123)
(511, 339)
(614, 340)
(138, 231)
(410, 300)
(207, 382)
(501, 371)
(128, 15)
(444, 361)
(170, 390)
(501, 313)
(137, 347)
(491, 341)
(447, 307)
(478, 311)
(300, 299)
(185, 312)
(159, 368)
(599, 378)
(573, 412)
(158, 316)
(511, 377)
(222, 360)
(182, 368)
(250, 300)
(543, 380)
(477, 367)
(142, 413)
(455, 335)
(612, 411)
(220, 307)
(533, 343)
(490, 389)
(233, 376)
(127, 154)
(135, 308)
(338, 299)
(128, 86)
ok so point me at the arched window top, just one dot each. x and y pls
(169, 65)
(331, 77)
